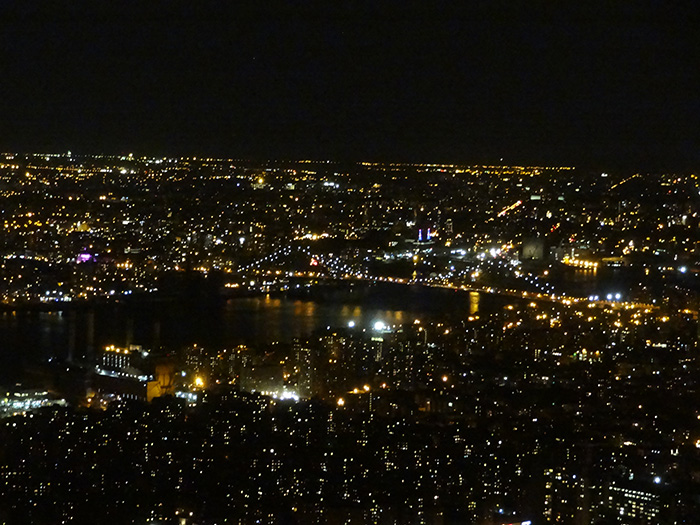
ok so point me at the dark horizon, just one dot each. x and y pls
(605, 87)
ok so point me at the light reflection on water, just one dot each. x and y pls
(29, 336)
(474, 299)
(273, 319)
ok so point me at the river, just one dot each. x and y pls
(29, 336)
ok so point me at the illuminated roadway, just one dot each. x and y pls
(331, 269)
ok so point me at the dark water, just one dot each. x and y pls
(28, 337)
(630, 282)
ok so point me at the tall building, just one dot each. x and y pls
(638, 502)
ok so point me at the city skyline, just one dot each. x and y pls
(322, 263)
(321, 342)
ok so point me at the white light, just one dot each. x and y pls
(379, 325)
(683, 269)
(289, 395)
(351, 324)
(657, 480)
(617, 296)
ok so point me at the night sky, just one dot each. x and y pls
(611, 85)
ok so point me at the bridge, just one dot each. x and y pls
(302, 262)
